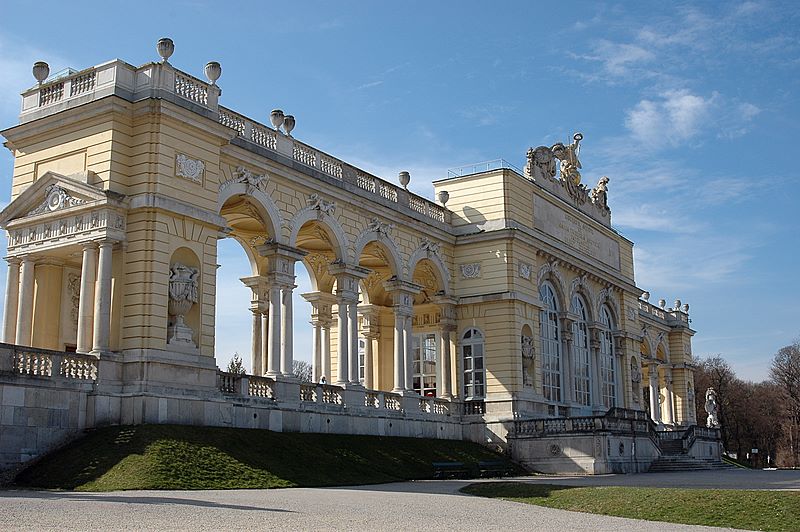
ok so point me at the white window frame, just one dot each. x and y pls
(581, 353)
(473, 349)
(362, 358)
(608, 365)
(419, 375)
(550, 343)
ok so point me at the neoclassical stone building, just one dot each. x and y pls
(507, 311)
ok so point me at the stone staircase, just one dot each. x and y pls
(674, 458)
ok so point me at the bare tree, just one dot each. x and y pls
(236, 365)
(785, 373)
(302, 370)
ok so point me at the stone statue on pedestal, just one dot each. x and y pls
(712, 421)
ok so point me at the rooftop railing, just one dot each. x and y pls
(161, 80)
(485, 166)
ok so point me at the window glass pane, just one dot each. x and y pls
(479, 363)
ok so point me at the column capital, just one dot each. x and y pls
(92, 244)
(321, 304)
(347, 278)
(13, 260)
(280, 262)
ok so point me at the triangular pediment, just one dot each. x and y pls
(54, 192)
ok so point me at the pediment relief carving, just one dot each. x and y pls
(54, 192)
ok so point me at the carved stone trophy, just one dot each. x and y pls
(182, 295)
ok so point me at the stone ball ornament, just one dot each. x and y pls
(213, 71)
(40, 71)
(165, 48)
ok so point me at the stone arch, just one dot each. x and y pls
(606, 296)
(580, 286)
(371, 235)
(647, 342)
(330, 224)
(662, 347)
(248, 250)
(424, 252)
(269, 212)
(549, 272)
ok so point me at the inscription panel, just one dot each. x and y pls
(574, 232)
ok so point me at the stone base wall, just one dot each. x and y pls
(584, 454)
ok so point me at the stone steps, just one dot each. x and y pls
(684, 462)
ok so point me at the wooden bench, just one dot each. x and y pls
(449, 470)
(494, 468)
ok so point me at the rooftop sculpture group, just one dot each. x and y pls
(542, 165)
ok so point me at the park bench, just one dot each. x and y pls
(449, 470)
(494, 468)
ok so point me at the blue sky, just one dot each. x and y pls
(690, 108)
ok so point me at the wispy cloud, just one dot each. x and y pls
(370, 85)
(16, 61)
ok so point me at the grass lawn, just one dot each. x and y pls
(748, 509)
(182, 457)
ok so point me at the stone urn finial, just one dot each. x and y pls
(405, 179)
(40, 71)
(662, 303)
(677, 306)
(213, 71)
(288, 124)
(276, 117)
(182, 296)
(444, 196)
(646, 296)
(165, 48)
(686, 308)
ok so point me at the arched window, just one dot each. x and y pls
(551, 346)
(608, 369)
(474, 372)
(581, 362)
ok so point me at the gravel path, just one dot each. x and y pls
(400, 506)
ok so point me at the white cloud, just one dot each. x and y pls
(16, 62)
(675, 117)
(678, 116)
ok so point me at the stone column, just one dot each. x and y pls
(25, 304)
(321, 303)
(274, 331)
(347, 278)
(446, 356)
(326, 349)
(102, 299)
(403, 295)
(368, 354)
(596, 384)
(655, 410)
(101, 319)
(408, 341)
(265, 340)
(399, 351)
(352, 318)
(668, 399)
(256, 347)
(86, 299)
(316, 350)
(344, 345)
(567, 378)
(12, 301)
(280, 275)
(287, 331)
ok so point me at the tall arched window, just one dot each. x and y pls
(474, 372)
(608, 370)
(551, 346)
(581, 362)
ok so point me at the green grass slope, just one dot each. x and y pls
(183, 457)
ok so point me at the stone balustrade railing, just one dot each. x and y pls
(329, 395)
(663, 313)
(162, 80)
(616, 420)
(272, 140)
(50, 364)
